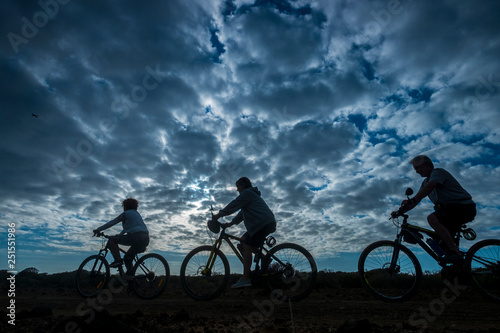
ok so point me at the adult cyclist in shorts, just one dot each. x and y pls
(453, 205)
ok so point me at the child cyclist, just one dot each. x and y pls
(134, 234)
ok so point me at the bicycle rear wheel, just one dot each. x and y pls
(483, 263)
(198, 280)
(290, 271)
(92, 276)
(389, 282)
(151, 273)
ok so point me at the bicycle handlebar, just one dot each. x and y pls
(397, 213)
(100, 234)
(400, 211)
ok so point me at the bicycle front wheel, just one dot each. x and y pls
(201, 279)
(151, 273)
(391, 272)
(483, 263)
(290, 271)
(92, 276)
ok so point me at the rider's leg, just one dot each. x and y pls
(114, 249)
(443, 232)
(246, 252)
(128, 258)
(247, 260)
(251, 244)
(138, 243)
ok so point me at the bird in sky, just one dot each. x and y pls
(34, 115)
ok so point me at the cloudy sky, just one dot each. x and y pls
(320, 103)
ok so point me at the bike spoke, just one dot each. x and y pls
(290, 272)
(387, 278)
(150, 276)
(92, 276)
(200, 281)
(484, 261)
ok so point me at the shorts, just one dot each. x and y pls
(257, 240)
(138, 242)
(453, 216)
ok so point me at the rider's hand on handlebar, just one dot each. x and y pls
(96, 233)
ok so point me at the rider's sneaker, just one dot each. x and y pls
(242, 284)
(116, 263)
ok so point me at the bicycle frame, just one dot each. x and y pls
(261, 252)
(413, 231)
(103, 252)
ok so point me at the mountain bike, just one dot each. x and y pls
(287, 269)
(150, 273)
(392, 272)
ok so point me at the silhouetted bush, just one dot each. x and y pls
(326, 279)
(29, 279)
(335, 280)
(29, 270)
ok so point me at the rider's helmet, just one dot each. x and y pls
(213, 226)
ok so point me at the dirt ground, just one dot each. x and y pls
(449, 309)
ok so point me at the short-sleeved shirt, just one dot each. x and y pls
(448, 189)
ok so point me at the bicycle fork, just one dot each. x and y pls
(101, 262)
(211, 259)
(394, 267)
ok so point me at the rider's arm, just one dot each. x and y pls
(422, 193)
(241, 201)
(238, 218)
(111, 223)
(425, 191)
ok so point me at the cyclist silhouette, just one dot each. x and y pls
(134, 233)
(453, 205)
(259, 221)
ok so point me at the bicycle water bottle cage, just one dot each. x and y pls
(469, 234)
(270, 241)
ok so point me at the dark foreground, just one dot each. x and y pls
(328, 309)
